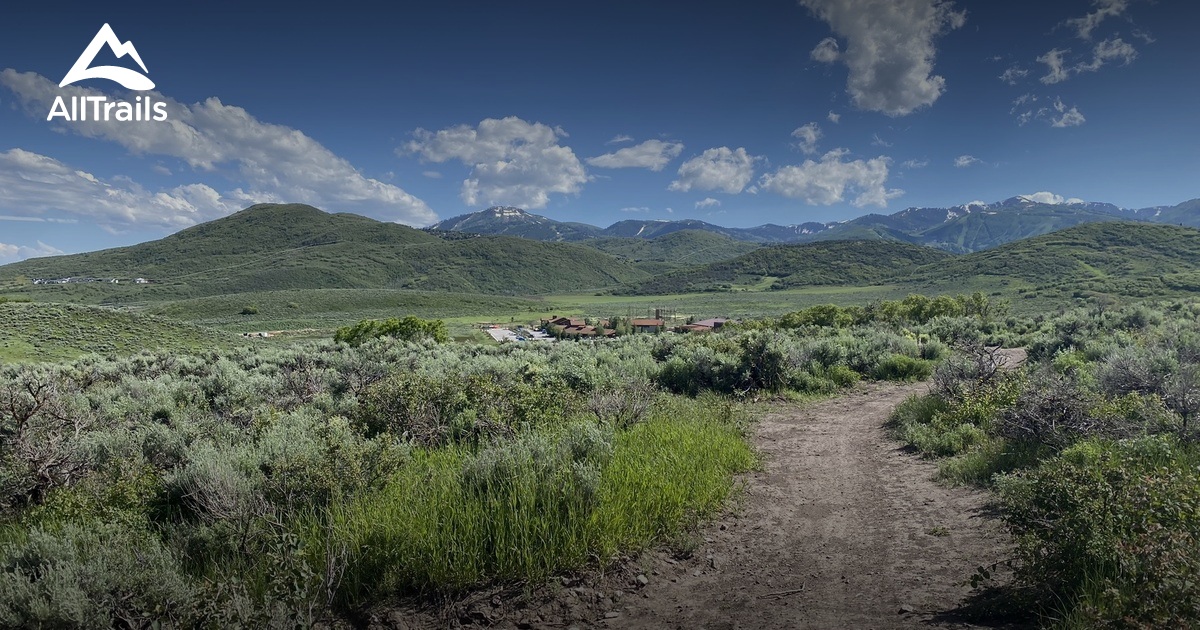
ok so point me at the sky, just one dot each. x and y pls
(737, 114)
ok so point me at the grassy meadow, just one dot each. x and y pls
(303, 483)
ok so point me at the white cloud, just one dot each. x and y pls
(620, 139)
(1050, 198)
(965, 161)
(273, 161)
(834, 117)
(1055, 70)
(29, 219)
(707, 202)
(889, 49)
(1025, 111)
(826, 51)
(513, 162)
(432, 174)
(915, 164)
(651, 154)
(1067, 117)
(876, 141)
(722, 168)
(831, 179)
(1014, 75)
(1104, 9)
(807, 137)
(1106, 51)
(641, 209)
(161, 170)
(35, 185)
(12, 253)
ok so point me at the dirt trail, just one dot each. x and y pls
(841, 529)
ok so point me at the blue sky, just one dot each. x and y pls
(785, 111)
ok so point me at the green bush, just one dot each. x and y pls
(408, 329)
(98, 575)
(898, 367)
(1113, 530)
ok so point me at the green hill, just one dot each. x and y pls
(861, 262)
(1123, 258)
(275, 247)
(987, 229)
(684, 248)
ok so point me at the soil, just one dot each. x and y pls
(841, 528)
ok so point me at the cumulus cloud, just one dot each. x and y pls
(831, 179)
(13, 253)
(1056, 72)
(834, 117)
(651, 154)
(966, 161)
(273, 161)
(707, 202)
(35, 186)
(1107, 51)
(826, 51)
(807, 137)
(513, 162)
(1104, 9)
(1014, 75)
(889, 49)
(722, 168)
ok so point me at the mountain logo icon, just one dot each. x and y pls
(130, 79)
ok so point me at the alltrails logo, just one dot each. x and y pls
(99, 107)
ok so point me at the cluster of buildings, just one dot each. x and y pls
(78, 280)
(575, 327)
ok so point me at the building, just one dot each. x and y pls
(565, 322)
(705, 325)
(646, 325)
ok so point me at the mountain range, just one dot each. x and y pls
(274, 247)
(959, 229)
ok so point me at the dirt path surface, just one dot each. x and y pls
(840, 529)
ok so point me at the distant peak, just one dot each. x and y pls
(1049, 198)
(506, 211)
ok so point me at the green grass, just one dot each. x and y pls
(43, 332)
(437, 527)
(331, 308)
